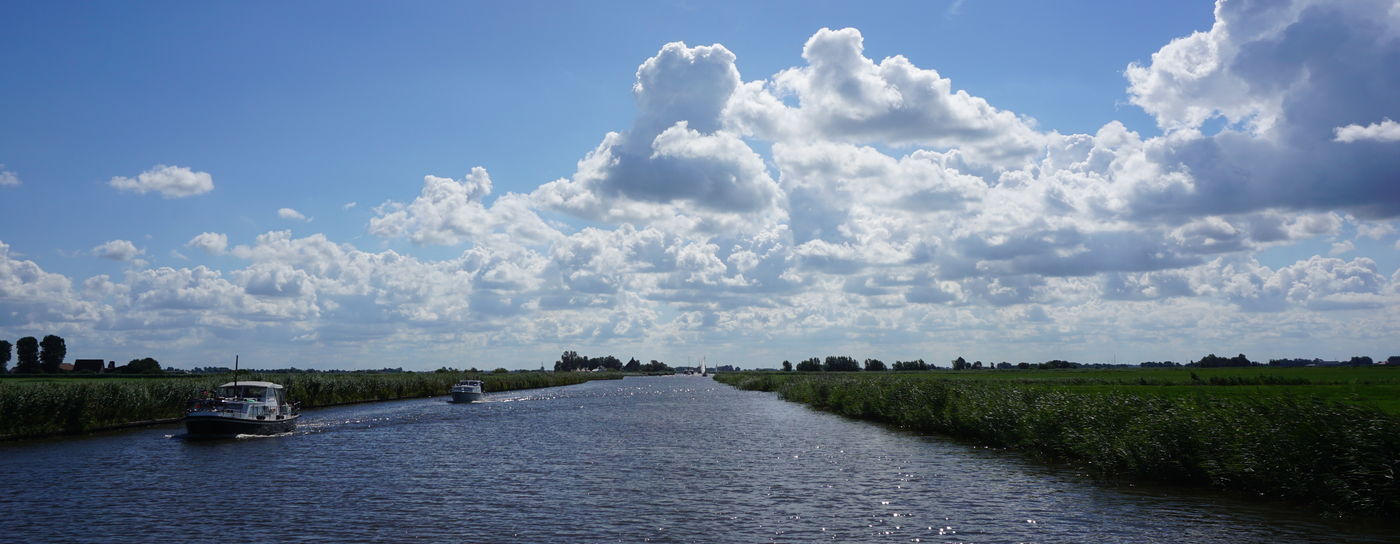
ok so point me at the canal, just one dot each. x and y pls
(658, 459)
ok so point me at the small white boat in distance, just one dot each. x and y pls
(467, 391)
(241, 408)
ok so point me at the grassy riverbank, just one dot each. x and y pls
(1267, 436)
(31, 407)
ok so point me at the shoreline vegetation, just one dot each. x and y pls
(1324, 437)
(38, 406)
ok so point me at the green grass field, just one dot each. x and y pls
(1328, 436)
(1375, 387)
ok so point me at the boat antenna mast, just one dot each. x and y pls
(235, 371)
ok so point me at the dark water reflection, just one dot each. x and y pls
(675, 459)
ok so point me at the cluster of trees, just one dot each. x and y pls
(849, 364)
(35, 356)
(145, 365)
(295, 370)
(571, 361)
(1214, 361)
(834, 363)
(1360, 360)
(917, 364)
(32, 355)
(633, 365)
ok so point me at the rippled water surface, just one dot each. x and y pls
(665, 459)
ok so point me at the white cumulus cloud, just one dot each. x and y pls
(450, 212)
(169, 181)
(1384, 131)
(676, 161)
(213, 243)
(1294, 113)
(844, 96)
(117, 250)
(850, 203)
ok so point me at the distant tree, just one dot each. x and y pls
(140, 366)
(1023, 365)
(841, 363)
(1214, 361)
(570, 361)
(52, 350)
(1361, 361)
(656, 366)
(787, 366)
(500, 371)
(874, 365)
(810, 365)
(27, 355)
(633, 365)
(1393, 360)
(977, 365)
(606, 363)
(960, 364)
(4, 356)
(917, 364)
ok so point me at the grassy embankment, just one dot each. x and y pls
(39, 406)
(1329, 437)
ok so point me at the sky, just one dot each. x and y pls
(367, 184)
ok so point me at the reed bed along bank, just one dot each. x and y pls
(37, 407)
(1341, 458)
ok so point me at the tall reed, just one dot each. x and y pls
(1344, 459)
(39, 408)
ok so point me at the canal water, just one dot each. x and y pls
(660, 459)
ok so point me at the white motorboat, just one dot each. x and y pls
(241, 407)
(467, 391)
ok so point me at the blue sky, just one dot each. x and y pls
(1007, 188)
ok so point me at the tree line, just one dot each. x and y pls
(844, 363)
(35, 356)
(571, 361)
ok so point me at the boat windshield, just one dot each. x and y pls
(243, 392)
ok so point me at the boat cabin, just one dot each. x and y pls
(252, 392)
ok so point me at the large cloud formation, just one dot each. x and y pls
(677, 161)
(1307, 90)
(855, 205)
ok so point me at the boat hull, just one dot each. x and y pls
(464, 396)
(220, 425)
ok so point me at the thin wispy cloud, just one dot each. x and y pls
(8, 178)
(292, 215)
